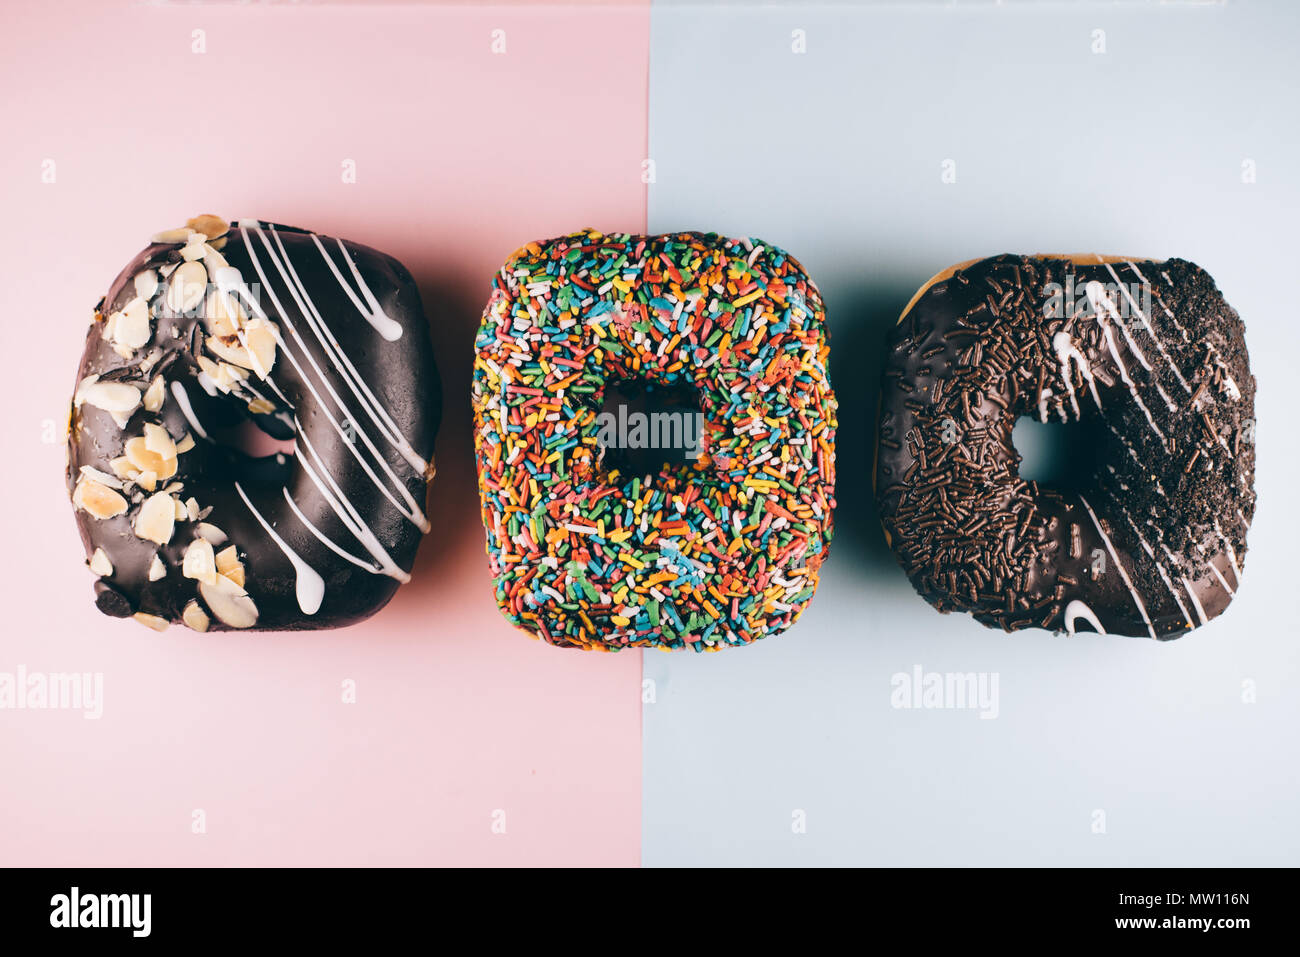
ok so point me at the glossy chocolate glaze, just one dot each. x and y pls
(287, 273)
(1150, 544)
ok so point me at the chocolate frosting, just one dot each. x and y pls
(1152, 543)
(310, 339)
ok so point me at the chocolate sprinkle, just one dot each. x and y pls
(1153, 542)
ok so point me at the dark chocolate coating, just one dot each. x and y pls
(401, 375)
(1152, 544)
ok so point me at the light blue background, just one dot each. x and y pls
(835, 155)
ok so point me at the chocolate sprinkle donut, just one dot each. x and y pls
(312, 340)
(1152, 543)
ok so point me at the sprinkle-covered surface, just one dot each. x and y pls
(1151, 539)
(720, 551)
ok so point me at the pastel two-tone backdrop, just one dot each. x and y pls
(878, 143)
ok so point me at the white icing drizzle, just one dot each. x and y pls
(1229, 550)
(183, 400)
(1066, 351)
(1164, 576)
(329, 542)
(1172, 318)
(1137, 599)
(1147, 324)
(384, 324)
(346, 511)
(378, 414)
(309, 587)
(1173, 563)
(1229, 386)
(1219, 575)
(1042, 404)
(1097, 296)
(1160, 489)
(1076, 610)
(1103, 307)
(280, 414)
(1147, 547)
(411, 510)
(1209, 563)
(1200, 612)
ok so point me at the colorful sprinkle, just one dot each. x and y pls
(721, 551)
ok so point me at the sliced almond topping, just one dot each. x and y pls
(157, 570)
(229, 376)
(260, 406)
(229, 603)
(229, 565)
(211, 533)
(213, 259)
(192, 508)
(146, 284)
(195, 617)
(110, 396)
(229, 349)
(223, 314)
(185, 444)
(99, 563)
(227, 559)
(199, 562)
(123, 468)
(151, 621)
(132, 326)
(178, 235)
(189, 284)
(151, 360)
(103, 478)
(154, 395)
(99, 500)
(159, 441)
(209, 225)
(209, 368)
(110, 325)
(145, 459)
(182, 513)
(193, 248)
(147, 480)
(260, 338)
(157, 519)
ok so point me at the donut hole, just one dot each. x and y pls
(246, 437)
(261, 456)
(644, 427)
(1065, 456)
(252, 446)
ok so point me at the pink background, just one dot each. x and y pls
(461, 156)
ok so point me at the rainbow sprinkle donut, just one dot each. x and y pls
(722, 550)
